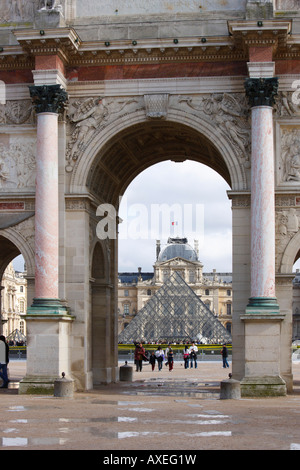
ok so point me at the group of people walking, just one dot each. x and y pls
(159, 357)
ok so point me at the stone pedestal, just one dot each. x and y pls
(230, 389)
(64, 388)
(48, 352)
(44, 19)
(126, 373)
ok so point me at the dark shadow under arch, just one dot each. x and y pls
(142, 145)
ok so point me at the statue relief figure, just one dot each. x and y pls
(230, 114)
(51, 5)
(87, 117)
(294, 166)
(15, 10)
(290, 154)
(17, 164)
(287, 5)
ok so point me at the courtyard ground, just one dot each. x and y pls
(158, 411)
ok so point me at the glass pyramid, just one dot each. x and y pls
(173, 314)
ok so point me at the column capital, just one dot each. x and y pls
(261, 91)
(48, 98)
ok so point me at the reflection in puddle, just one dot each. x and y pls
(295, 446)
(149, 434)
(24, 442)
(17, 408)
(111, 419)
(143, 410)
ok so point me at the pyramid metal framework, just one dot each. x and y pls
(175, 313)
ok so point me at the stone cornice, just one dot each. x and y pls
(65, 43)
(272, 33)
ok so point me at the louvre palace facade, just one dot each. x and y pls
(214, 289)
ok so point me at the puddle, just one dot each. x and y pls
(141, 410)
(18, 408)
(294, 446)
(112, 419)
(27, 442)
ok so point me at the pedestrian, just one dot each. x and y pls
(193, 355)
(186, 356)
(152, 360)
(4, 360)
(224, 353)
(159, 354)
(170, 359)
(139, 357)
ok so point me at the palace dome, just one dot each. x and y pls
(177, 247)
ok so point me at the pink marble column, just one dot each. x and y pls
(261, 93)
(262, 204)
(46, 207)
(49, 102)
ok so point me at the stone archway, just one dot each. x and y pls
(192, 131)
(115, 164)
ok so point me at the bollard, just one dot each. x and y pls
(230, 389)
(63, 387)
(126, 373)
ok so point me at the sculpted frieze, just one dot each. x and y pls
(229, 112)
(286, 104)
(290, 155)
(87, 117)
(16, 112)
(24, 10)
(287, 5)
(17, 164)
(287, 224)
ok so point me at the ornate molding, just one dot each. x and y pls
(48, 98)
(261, 91)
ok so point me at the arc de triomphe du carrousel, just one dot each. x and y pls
(93, 93)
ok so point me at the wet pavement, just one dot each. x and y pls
(176, 411)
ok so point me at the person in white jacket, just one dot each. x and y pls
(159, 354)
(193, 355)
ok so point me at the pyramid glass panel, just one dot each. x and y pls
(175, 313)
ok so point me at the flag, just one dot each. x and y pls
(174, 223)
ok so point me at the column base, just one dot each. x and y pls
(48, 346)
(261, 387)
(263, 307)
(48, 306)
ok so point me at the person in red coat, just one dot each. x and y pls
(139, 356)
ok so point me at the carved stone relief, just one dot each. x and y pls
(286, 106)
(17, 164)
(24, 10)
(287, 224)
(87, 117)
(290, 155)
(16, 112)
(287, 5)
(230, 113)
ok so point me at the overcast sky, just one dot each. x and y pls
(189, 194)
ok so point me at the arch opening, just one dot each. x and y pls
(119, 160)
(142, 145)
